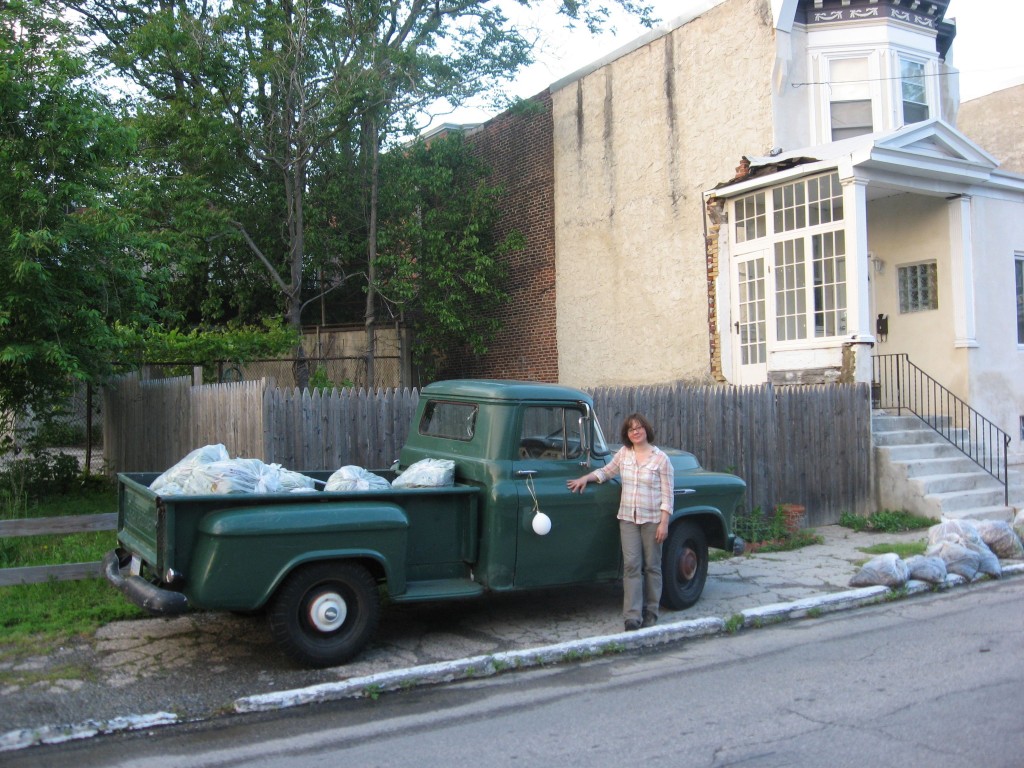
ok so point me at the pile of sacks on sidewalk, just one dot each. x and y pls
(965, 548)
(211, 470)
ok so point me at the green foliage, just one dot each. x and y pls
(886, 521)
(36, 476)
(236, 344)
(439, 265)
(769, 533)
(73, 259)
(321, 380)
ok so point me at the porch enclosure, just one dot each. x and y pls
(899, 385)
(809, 445)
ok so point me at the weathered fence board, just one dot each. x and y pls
(42, 526)
(40, 574)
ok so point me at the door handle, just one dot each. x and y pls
(526, 472)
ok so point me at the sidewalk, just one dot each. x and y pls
(140, 673)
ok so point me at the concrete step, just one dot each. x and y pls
(941, 466)
(979, 498)
(1005, 514)
(958, 481)
(922, 452)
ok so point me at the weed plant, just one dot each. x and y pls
(769, 532)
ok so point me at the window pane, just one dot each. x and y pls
(850, 98)
(915, 95)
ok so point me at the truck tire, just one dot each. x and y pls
(684, 565)
(323, 614)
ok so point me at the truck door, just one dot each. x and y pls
(583, 543)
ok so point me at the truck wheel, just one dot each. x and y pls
(323, 614)
(684, 565)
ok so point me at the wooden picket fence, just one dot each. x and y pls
(809, 445)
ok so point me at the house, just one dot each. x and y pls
(993, 121)
(764, 192)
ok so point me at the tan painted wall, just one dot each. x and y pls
(633, 152)
(926, 337)
(994, 123)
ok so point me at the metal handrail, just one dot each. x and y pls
(899, 384)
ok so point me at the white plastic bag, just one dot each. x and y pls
(929, 569)
(175, 480)
(1001, 538)
(959, 559)
(353, 478)
(887, 570)
(427, 473)
(231, 476)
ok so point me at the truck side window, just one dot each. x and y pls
(551, 432)
(455, 421)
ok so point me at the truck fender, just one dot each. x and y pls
(243, 555)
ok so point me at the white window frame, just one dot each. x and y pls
(925, 90)
(869, 84)
(796, 305)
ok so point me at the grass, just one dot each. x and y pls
(886, 521)
(30, 613)
(904, 549)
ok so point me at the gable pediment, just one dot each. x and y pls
(935, 140)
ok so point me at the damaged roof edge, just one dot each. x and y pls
(699, 9)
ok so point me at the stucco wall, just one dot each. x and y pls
(910, 229)
(994, 123)
(635, 144)
(996, 383)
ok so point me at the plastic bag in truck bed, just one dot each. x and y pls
(427, 473)
(353, 478)
(174, 480)
(209, 470)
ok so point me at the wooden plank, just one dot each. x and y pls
(42, 526)
(40, 574)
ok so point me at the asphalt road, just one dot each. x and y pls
(932, 681)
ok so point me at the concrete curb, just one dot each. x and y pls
(492, 664)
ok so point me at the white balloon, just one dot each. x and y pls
(541, 524)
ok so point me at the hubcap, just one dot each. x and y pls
(687, 564)
(327, 613)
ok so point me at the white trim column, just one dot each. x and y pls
(858, 296)
(961, 268)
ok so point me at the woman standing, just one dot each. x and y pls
(644, 511)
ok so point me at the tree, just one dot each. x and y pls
(249, 105)
(72, 260)
(439, 264)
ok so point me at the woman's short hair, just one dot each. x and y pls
(640, 419)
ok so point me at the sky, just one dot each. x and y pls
(985, 50)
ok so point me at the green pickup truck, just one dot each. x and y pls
(319, 563)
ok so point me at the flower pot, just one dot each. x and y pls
(792, 516)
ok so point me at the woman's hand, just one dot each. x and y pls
(662, 533)
(577, 484)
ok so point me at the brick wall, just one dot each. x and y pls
(518, 148)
